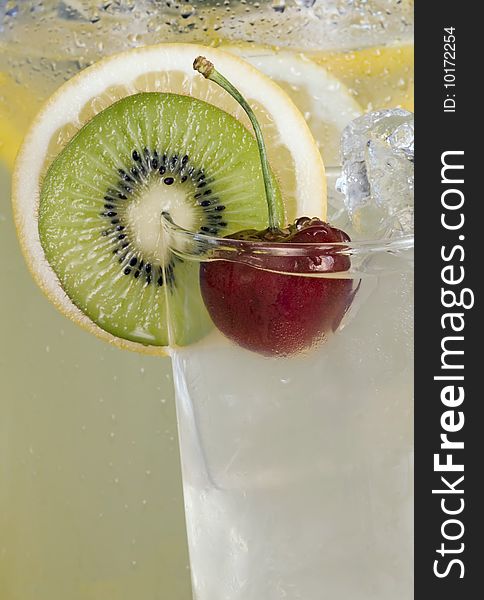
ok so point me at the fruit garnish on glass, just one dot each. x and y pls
(265, 308)
(134, 135)
(100, 166)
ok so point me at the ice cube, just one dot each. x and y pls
(377, 177)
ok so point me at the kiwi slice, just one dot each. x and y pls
(101, 202)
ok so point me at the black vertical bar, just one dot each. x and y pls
(449, 119)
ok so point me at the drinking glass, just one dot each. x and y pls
(297, 469)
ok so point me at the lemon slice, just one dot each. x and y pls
(292, 151)
(380, 77)
(325, 102)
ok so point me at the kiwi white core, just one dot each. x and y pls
(143, 216)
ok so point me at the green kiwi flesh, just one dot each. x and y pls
(101, 202)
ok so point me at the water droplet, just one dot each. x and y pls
(11, 9)
(153, 25)
(133, 39)
(187, 11)
(279, 5)
(77, 42)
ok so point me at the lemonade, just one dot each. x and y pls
(137, 547)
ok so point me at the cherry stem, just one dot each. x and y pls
(207, 69)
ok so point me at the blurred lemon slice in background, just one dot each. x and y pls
(381, 77)
(324, 100)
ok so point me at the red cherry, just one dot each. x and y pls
(274, 313)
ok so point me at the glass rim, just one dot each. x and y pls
(392, 246)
